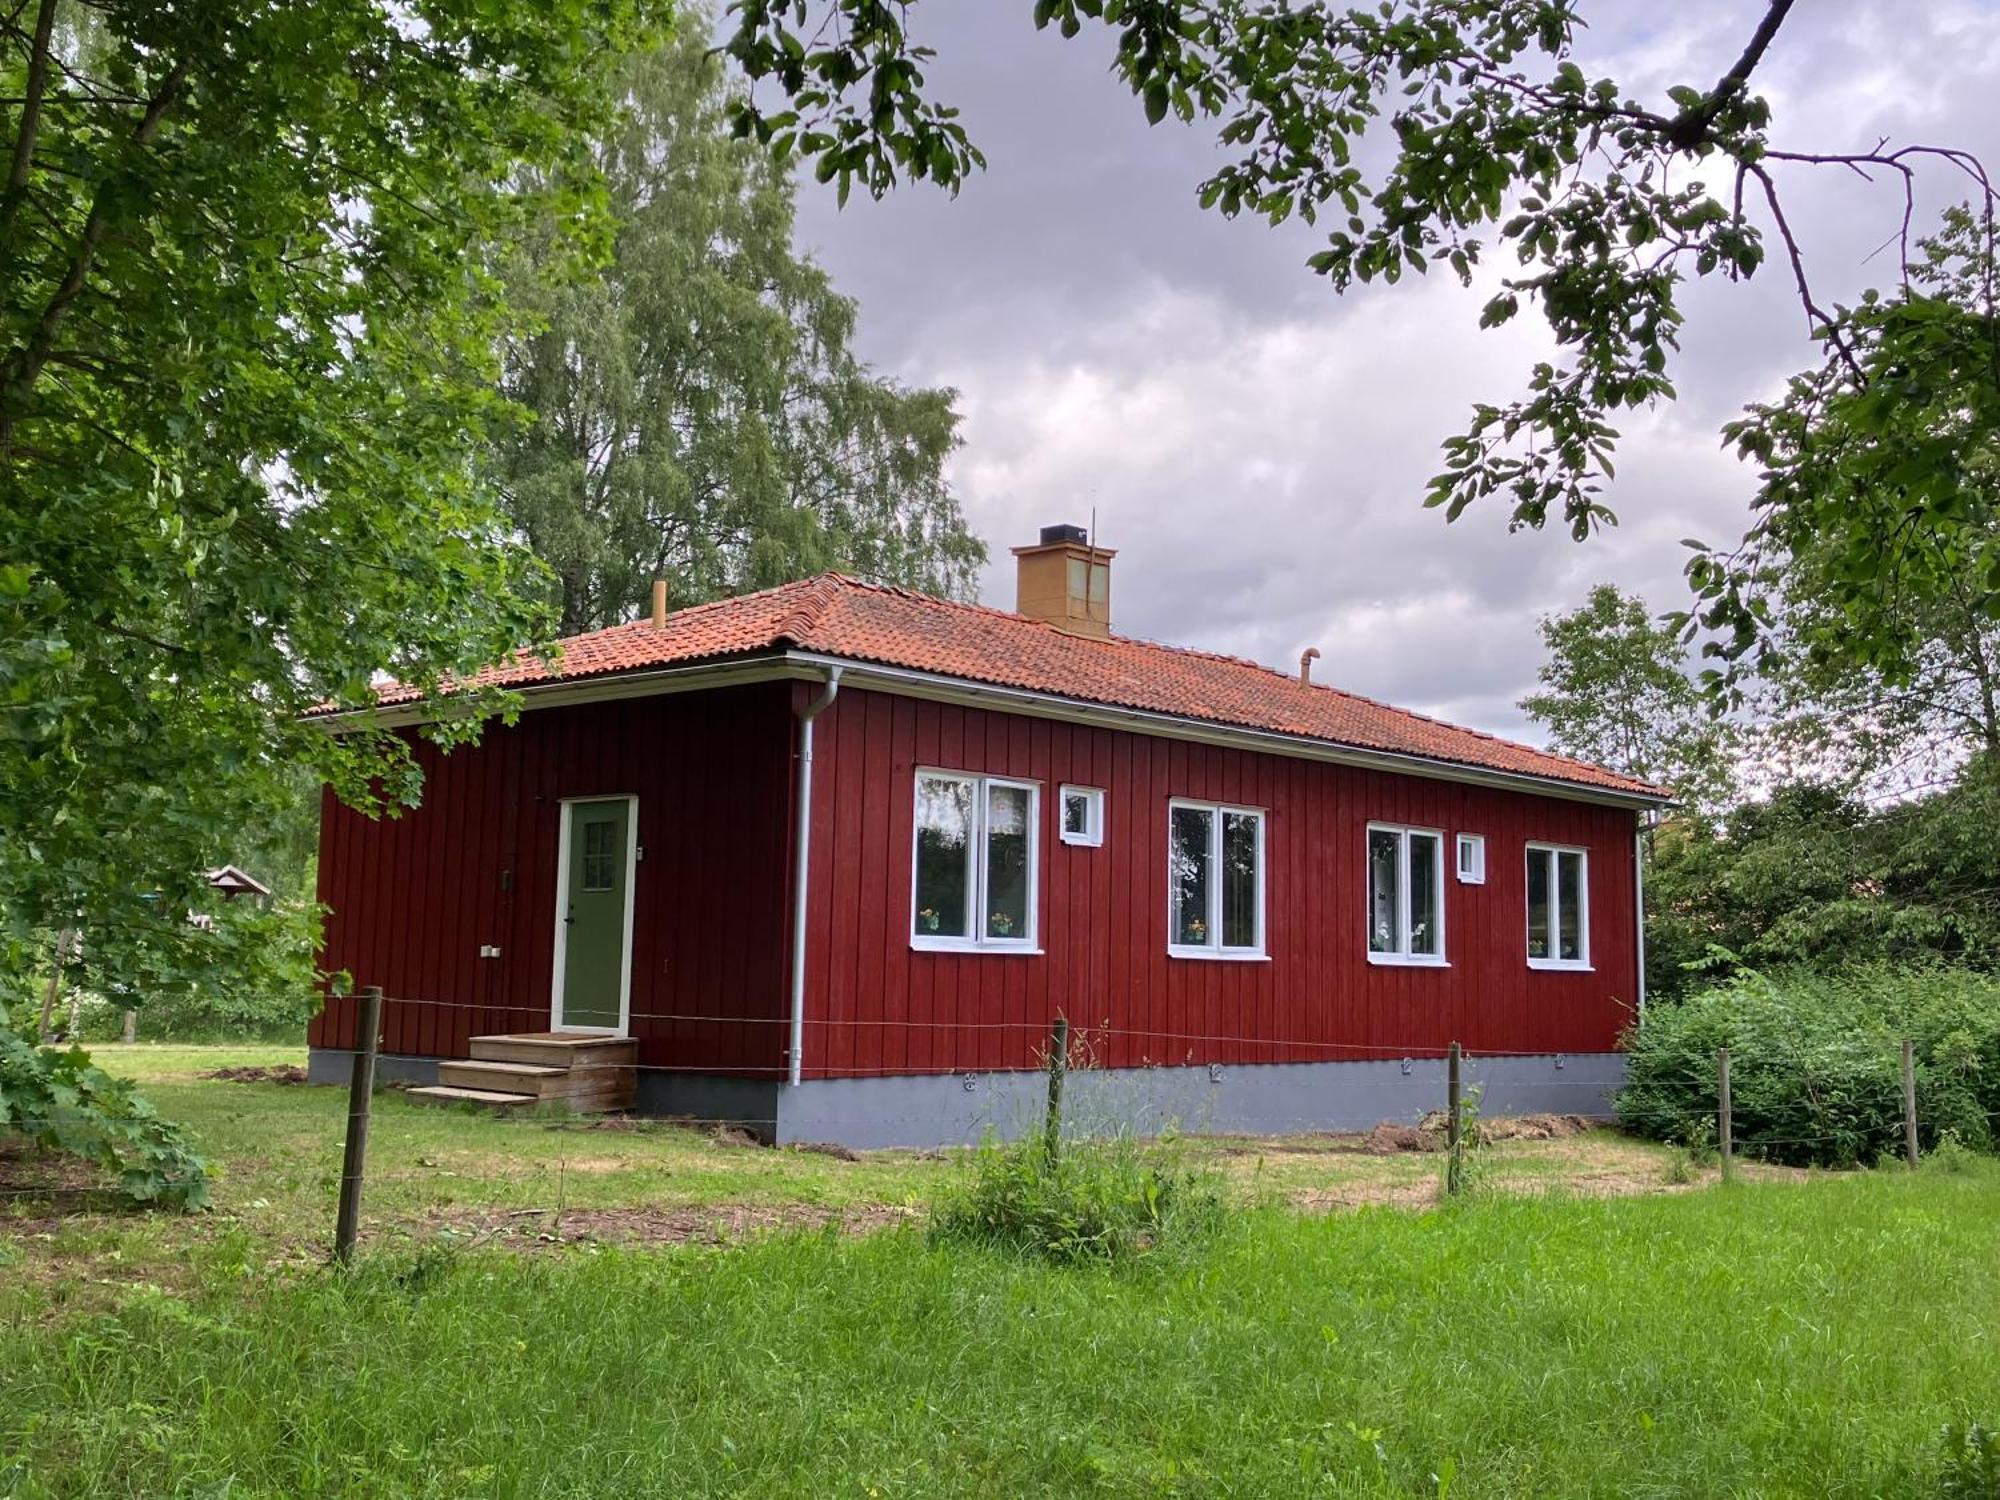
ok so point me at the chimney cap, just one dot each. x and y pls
(1065, 537)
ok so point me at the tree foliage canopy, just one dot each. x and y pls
(1616, 688)
(1499, 147)
(1870, 580)
(246, 358)
(696, 408)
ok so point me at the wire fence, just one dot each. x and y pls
(1080, 1048)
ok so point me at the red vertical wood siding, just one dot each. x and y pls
(875, 1005)
(412, 899)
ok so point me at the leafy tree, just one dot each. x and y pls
(246, 358)
(1616, 689)
(1812, 877)
(1430, 132)
(1890, 450)
(698, 412)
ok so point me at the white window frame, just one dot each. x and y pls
(1092, 835)
(1402, 958)
(975, 940)
(1571, 965)
(1214, 950)
(1475, 845)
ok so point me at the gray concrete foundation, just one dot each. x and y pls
(335, 1065)
(1225, 1098)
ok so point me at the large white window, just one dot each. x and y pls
(1215, 881)
(976, 862)
(1558, 907)
(1405, 895)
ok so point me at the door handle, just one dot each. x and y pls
(571, 918)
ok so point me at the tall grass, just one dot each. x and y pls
(1104, 1199)
(1775, 1340)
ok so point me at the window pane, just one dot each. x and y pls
(599, 854)
(1569, 906)
(1100, 584)
(1007, 830)
(944, 848)
(1426, 864)
(1076, 813)
(1384, 922)
(1239, 880)
(1538, 903)
(1187, 873)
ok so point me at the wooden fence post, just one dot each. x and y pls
(1909, 1104)
(1058, 1074)
(1723, 1141)
(1454, 1129)
(360, 1092)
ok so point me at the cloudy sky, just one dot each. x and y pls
(1255, 446)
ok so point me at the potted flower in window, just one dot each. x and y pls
(1197, 931)
(1000, 924)
(928, 918)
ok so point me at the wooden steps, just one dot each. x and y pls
(583, 1070)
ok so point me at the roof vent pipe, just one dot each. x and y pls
(1306, 660)
(659, 604)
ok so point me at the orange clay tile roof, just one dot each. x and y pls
(835, 615)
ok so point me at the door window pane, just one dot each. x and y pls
(1008, 832)
(1426, 929)
(1188, 874)
(1239, 880)
(600, 855)
(1384, 884)
(1569, 906)
(944, 856)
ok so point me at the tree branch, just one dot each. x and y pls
(1687, 131)
(31, 114)
(34, 355)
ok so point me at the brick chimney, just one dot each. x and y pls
(1065, 580)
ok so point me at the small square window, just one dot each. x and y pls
(1082, 815)
(1472, 859)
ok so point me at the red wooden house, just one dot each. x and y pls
(829, 859)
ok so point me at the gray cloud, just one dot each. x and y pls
(1257, 447)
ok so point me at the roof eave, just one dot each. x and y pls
(778, 662)
(860, 672)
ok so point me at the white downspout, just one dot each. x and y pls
(1639, 904)
(802, 811)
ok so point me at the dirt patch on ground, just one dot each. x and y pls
(1536, 1127)
(281, 1073)
(715, 1224)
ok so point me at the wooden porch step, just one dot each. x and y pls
(580, 1085)
(557, 1049)
(441, 1094)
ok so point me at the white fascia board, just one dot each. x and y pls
(958, 690)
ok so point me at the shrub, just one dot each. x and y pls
(1102, 1200)
(1815, 1062)
(59, 1101)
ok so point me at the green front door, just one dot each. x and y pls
(593, 914)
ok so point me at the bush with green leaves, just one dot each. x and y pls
(1086, 1201)
(60, 1102)
(1815, 1062)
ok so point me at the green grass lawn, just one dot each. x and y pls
(469, 1176)
(1763, 1339)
